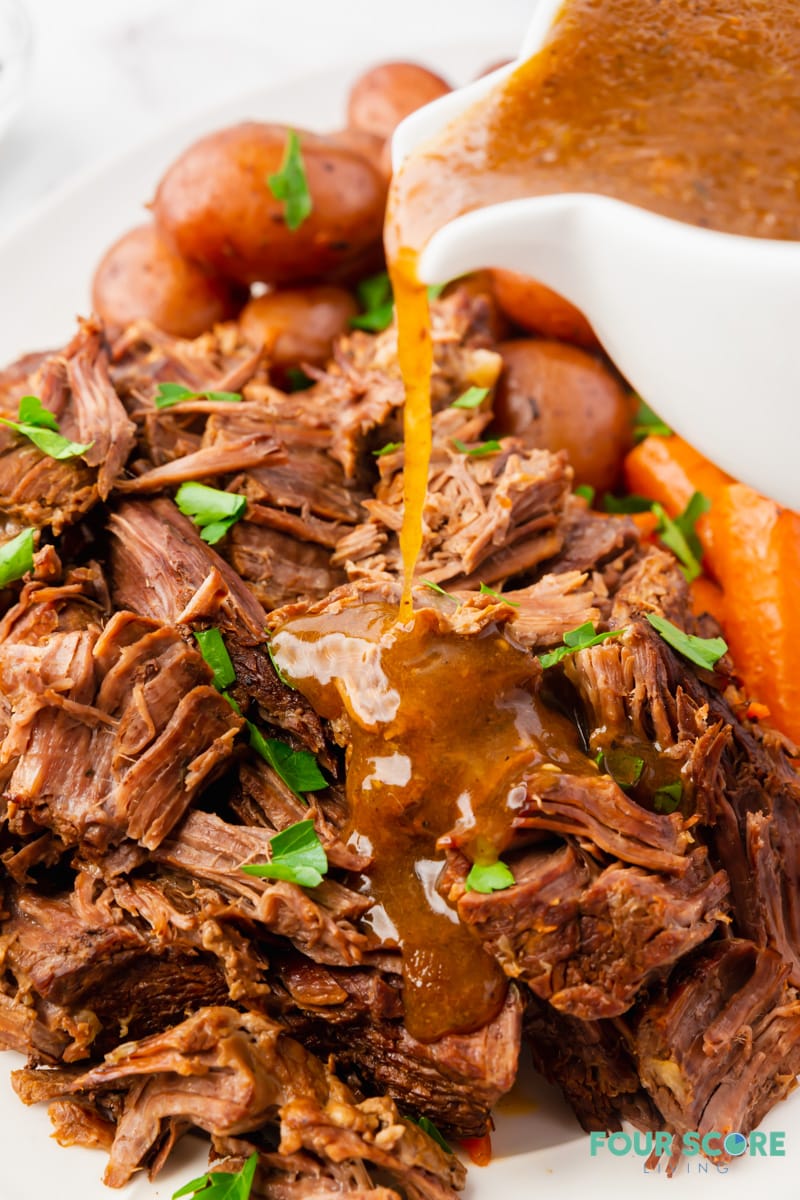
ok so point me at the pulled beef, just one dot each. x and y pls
(588, 940)
(230, 1073)
(719, 1044)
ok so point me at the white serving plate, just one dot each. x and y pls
(46, 265)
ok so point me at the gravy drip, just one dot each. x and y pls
(442, 730)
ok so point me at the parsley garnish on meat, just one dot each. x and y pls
(222, 1185)
(585, 491)
(427, 1126)
(376, 300)
(170, 394)
(705, 652)
(489, 877)
(487, 591)
(296, 855)
(16, 557)
(434, 587)
(290, 184)
(625, 769)
(473, 398)
(626, 504)
(679, 534)
(648, 424)
(667, 798)
(215, 653)
(577, 639)
(211, 510)
(479, 451)
(40, 426)
(389, 448)
(298, 769)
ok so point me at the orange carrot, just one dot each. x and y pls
(478, 1149)
(670, 471)
(708, 597)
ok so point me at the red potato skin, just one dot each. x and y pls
(298, 325)
(215, 207)
(383, 96)
(559, 397)
(140, 276)
(538, 309)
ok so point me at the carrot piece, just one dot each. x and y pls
(646, 523)
(478, 1149)
(757, 561)
(670, 471)
(708, 597)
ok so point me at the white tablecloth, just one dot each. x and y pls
(108, 73)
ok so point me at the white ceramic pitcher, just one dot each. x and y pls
(704, 325)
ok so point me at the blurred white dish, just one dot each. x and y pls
(16, 48)
(702, 324)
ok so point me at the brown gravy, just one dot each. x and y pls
(442, 729)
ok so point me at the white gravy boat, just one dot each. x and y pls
(704, 325)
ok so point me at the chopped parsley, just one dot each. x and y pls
(479, 451)
(626, 504)
(473, 398)
(211, 510)
(668, 798)
(487, 591)
(16, 557)
(435, 290)
(705, 652)
(40, 426)
(586, 491)
(434, 587)
(297, 380)
(389, 448)
(215, 652)
(648, 424)
(290, 184)
(296, 855)
(625, 769)
(577, 639)
(169, 394)
(298, 769)
(679, 534)
(222, 1185)
(427, 1126)
(377, 303)
(489, 877)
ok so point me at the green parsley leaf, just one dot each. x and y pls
(434, 587)
(16, 557)
(668, 798)
(479, 451)
(647, 424)
(215, 652)
(40, 426)
(290, 184)
(389, 448)
(485, 590)
(586, 491)
(577, 639)
(211, 510)
(278, 671)
(473, 398)
(435, 290)
(679, 535)
(376, 299)
(297, 768)
(32, 412)
(489, 877)
(297, 379)
(626, 504)
(170, 394)
(427, 1126)
(705, 652)
(222, 1185)
(625, 769)
(296, 854)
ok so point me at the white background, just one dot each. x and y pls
(109, 73)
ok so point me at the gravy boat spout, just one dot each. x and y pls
(704, 325)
